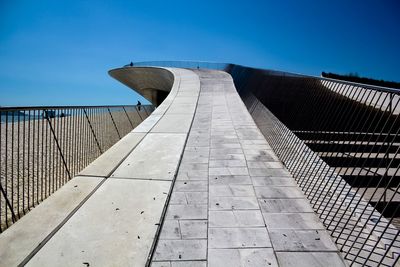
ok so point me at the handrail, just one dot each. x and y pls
(12, 108)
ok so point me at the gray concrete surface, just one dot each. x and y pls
(156, 157)
(232, 204)
(115, 227)
(247, 209)
(113, 223)
(24, 236)
(105, 164)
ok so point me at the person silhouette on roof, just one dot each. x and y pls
(131, 64)
(138, 105)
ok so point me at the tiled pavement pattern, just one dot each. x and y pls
(233, 202)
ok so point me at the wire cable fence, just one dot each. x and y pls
(42, 148)
(341, 142)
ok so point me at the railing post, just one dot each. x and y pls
(115, 125)
(91, 128)
(14, 218)
(128, 117)
(58, 145)
(4, 193)
(137, 111)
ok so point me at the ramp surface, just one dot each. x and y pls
(233, 203)
(196, 184)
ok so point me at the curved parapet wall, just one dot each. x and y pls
(153, 84)
(111, 213)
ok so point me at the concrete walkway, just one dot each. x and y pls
(233, 203)
(110, 214)
(196, 184)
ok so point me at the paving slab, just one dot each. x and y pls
(197, 197)
(105, 164)
(193, 166)
(292, 221)
(156, 149)
(188, 212)
(191, 186)
(173, 123)
(225, 145)
(170, 230)
(193, 229)
(229, 179)
(120, 218)
(192, 175)
(185, 107)
(214, 152)
(227, 163)
(232, 190)
(236, 218)
(259, 257)
(260, 157)
(238, 238)
(269, 172)
(285, 205)
(264, 164)
(231, 155)
(274, 181)
(228, 171)
(34, 227)
(161, 264)
(301, 240)
(232, 203)
(147, 124)
(178, 198)
(188, 263)
(186, 97)
(198, 156)
(278, 192)
(176, 250)
(309, 259)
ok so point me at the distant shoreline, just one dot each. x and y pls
(355, 78)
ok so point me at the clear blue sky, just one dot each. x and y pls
(59, 52)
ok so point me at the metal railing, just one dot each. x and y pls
(41, 148)
(341, 142)
(181, 64)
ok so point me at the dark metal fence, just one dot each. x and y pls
(341, 142)
(41, 148)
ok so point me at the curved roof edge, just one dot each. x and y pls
(154, 84)
(228, 67)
